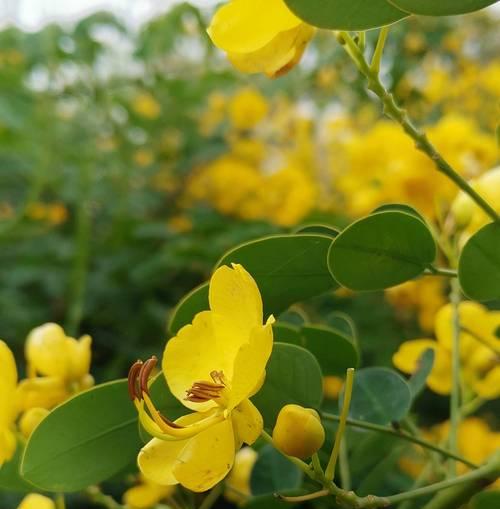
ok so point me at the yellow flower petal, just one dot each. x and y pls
(250, 363)
(79, 356)
(43, 392)
(31, 419)
(8, 371)
(8, 444)
(46, 351)
(489, 386)
(8, 402)
(247, 422)
(207, 458)
(407, 357)
(238, 481)
(144, 496)
(243, 26)
(35, 501)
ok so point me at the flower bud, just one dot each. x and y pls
(36, 501)
(31, 419)
(298, 431)
(238, 481)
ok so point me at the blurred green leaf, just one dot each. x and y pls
(417, 381)
(441, 7)
(10, 477)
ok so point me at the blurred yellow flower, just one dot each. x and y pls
(35, 501)
(237, 484)
(145, 105)
(219, 361)
(54, 213)
(479, 350)
(143, 157)
(146, 494)
(260, 35)
(31, 419)
(8, 403)
(247, 108)
(332, 385)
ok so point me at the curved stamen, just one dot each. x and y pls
(145, 373)
(132, 380)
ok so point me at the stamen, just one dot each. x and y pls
(145, 373)
(204, 390)
(132, 380)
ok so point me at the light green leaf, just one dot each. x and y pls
(293, 375)
(441, 7)
(84, 441)
(381, 250)
(273, 473)
(346, 14)
(379, 396)
(479, 264)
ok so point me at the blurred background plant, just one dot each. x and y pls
(132, 158)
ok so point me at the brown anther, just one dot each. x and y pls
(145, 373)
(218, 377)
(133, 374)
(203, 390)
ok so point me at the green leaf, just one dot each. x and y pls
(381, 250)
(379, 396)
(321, 229)
(346, 14)
(441, 7)
(399, 207)
(287, 269)
(479, 264)
(334, 350)
(273, 473)
(194, 302)
(10, 478)
(417, 381)
(84, 441)
(286, 333)
(293, 375)
(486, 500)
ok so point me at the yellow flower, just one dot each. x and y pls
(237, 484)
(31, 419)
(8, 408)
(247, 108)
(479, 350)
(146, 494)
(332, 385)
(143, 157)
(213, 366)
(260, 35)
(63, 363)
(35, 501)
(145, 105)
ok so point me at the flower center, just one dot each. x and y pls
(203, 390)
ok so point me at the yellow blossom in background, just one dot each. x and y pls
(247, 108)
(145, 105)
(260, 35)
(237, 484)
(214, 114)
(8, 403)
(146, 494)
(180, 223)
(479, 351)
(332, 385)
(424, 296)
(143, 157)
(213, 366)
(31, 419)
(35, 501)
(6, 211)
(54, 213)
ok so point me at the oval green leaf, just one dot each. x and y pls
(273, 473)
(379, 396)
(346, 14)
(321, 229)
(441, 7)
(486, 500)
(479, 264)
(399, 207)
(293, 375)
(417, 381)
(84, 441)
(287, 333)
(334, 350)
(194, 302)
(381, 250)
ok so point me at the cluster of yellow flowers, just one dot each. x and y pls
(54, 213)
(479, 351)
(265, 175)
(57, 367)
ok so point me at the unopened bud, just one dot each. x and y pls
(31, 419)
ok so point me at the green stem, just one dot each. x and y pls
(212, 497)
(455, 389)
(379, 50)
(440, 271)
(96, 496)
(345, 473)
(419, 482)
(332, 462)
(299, 463)
(404, 436)
(60, 503)
(470, 407)
(316, 464)
(394, 111)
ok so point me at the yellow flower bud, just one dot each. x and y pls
(298, 431)
(238, 481)
(35, 501)
(31, 419)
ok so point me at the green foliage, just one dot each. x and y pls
(486, 500)
(10, 478)
(479, 264)
(441, 8)
(379, 396)
(346, 14)
(425, 364)
(381, 250)
(293, 375)
(84, 441)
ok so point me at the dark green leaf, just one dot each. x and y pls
(486, 500)
(84, 441)
(293, 375)
(418, 379)
(335, 351)
(399, 207)
(194, 302)
(10, 478)
(273, 473)
(381, 250)
(346, 14)
(379, 396)
(441, 7)
(286, 333)
(479, 264)
(321, 229)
